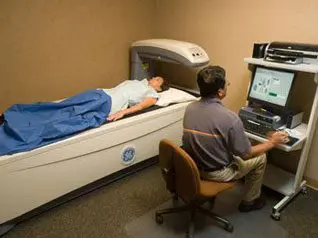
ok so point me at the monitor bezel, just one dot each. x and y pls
(265, 103)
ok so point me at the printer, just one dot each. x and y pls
(291, 53)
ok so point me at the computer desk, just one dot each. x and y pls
(286, 183)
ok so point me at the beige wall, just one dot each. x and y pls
(54, 49)
(227, 31)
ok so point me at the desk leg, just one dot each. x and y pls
(282, 203)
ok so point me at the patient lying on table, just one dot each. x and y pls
(29, 126)
(136, 95)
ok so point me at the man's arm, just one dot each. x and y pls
(240, 145)
(273, 140)
(147, 102)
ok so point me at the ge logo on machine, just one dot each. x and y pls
(128, 155)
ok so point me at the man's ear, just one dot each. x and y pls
(220, 92)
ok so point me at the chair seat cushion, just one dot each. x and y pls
(210, 189)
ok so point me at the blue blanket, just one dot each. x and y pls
(29, 126)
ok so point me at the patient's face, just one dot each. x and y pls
(156, 83)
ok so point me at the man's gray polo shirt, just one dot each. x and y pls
(213, 134)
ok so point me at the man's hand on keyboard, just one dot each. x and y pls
(278, 137)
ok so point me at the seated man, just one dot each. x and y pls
(214, 137)
(28, 126)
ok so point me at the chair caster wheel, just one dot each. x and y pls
(304, 190)
(159, 219)
(276, 216)
(229, 227)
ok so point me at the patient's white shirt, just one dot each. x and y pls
(129, 93)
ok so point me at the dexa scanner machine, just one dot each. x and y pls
(144, 55)
(34, 181)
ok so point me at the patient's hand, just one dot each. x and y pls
(115, 116)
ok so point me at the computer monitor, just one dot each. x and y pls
(271, 87)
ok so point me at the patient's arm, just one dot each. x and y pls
(147, 102)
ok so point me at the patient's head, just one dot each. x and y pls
(211, 82)
(158, 83)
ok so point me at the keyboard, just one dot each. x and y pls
(262, 131)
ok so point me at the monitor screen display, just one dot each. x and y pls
(271, 85)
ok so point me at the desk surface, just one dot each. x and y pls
(299, 132)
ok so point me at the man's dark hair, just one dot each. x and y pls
(210, 79)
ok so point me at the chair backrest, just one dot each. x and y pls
(184, 177)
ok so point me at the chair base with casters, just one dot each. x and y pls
(193, 209)
(183, 180)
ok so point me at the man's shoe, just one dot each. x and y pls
(256, 204)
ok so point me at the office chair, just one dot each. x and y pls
(183, 180)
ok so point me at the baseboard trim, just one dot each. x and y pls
(312, 183)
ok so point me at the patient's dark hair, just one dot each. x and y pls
(210, 79)
(164, 85)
